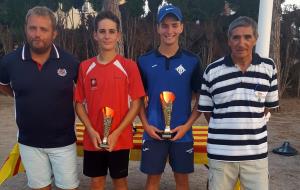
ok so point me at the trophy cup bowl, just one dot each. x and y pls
(167, 98)
(108, 115)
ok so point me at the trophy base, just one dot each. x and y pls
(102, 145)
(166, 136)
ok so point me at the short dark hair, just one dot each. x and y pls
(243, 21)
(106, 15)
(41, 11)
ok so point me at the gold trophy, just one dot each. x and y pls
(167, 98)
(108, 115)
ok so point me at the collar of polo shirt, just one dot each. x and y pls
(27, 56)
(255, 60)
(177, 54)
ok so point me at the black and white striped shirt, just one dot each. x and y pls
(237, 128)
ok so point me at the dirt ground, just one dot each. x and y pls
(284, 171)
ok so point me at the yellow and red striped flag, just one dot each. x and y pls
(12, 165)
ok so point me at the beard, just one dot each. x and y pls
(39, 49)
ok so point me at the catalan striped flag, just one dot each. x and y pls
(12, 165)
(79, 135)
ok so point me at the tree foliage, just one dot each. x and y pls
(134, 8)
(245, 7)
(66, 5)
(97, 4)
(194, 10)
(153, 6)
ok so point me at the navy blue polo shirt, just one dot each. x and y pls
(180, 74)
(43, 98)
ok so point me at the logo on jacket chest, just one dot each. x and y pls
(180, 69)
(61, 72)
(93, 83)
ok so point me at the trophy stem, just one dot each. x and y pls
(104, 141)
(167, 99)
(107, 121)
(107, 125)
(167, 113)
(167, 129)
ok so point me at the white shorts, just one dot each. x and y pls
(253, 174)
(41, 163)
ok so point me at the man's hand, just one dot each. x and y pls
(152, 132)
(6, 90)
(180, 132)
(95, 138)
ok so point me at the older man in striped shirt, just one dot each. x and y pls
(236, 92)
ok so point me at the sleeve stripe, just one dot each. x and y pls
(272, 104)
(205, 108)
(5, 84)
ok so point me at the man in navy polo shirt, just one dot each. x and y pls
(41, 76)
(169, 68)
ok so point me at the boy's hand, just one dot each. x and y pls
(112, 140)
(152, 132)
(179, 131)
(95, 138)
